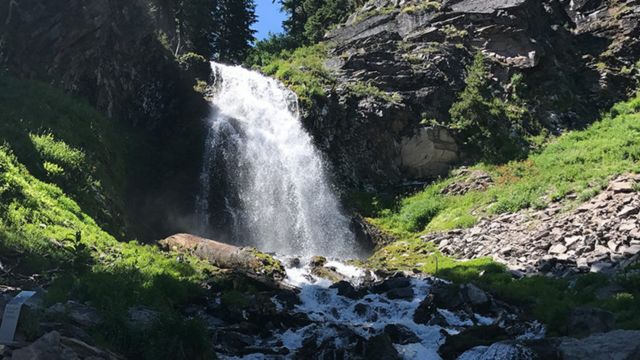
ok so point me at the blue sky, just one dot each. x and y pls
(269, 18)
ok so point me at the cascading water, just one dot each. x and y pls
(278, 198)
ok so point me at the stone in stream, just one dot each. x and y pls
(400, 334)
(380, 347)
(346, 289)
(425, 311)
(391, 283)
(405, 293)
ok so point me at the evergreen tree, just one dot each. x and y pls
(233, 35)
(297, 17)
(322, 15)
(483, 120)
(195, 25)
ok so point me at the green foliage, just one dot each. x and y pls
(367, 89)
(64, 141)
(322, 15)
(233, 33)
(270, 49)
(489, 126)
(579, 162)
(422, 6)
(45, 229)
(303, 71)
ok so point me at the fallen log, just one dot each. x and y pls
(245, 259)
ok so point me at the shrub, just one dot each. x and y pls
(486, 124)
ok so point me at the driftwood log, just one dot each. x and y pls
(247, 260)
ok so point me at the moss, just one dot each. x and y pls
(269, 265)
(422, 6)
(366, 89)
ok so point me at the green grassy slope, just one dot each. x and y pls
(64, 141)
(61, 170)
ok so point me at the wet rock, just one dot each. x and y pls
(391, 283)
(317, 261)
(405, 293)
(231, 341)
(400, 334)
(425, 311)
(380, 347)
(346, 289)
(469, 338)
(327, 273)
(361, 309)
(587, 321)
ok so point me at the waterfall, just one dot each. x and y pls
(277, 192)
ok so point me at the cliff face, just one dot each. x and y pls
(575, 57)
(107, 51)
(113, 54)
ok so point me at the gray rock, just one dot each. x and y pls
(613, 345)
(475, 295)
(499, 351)
(400, 293)
(557, 249)
(46, 347)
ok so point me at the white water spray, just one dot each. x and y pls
(279, 197)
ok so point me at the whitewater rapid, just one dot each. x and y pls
(277, 191)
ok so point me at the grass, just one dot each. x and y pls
(64, 141)
(60, 167)
(303, 71)
(578, 162)
(38, 226)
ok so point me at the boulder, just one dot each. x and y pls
(400, 334)
(614, 345)
(380, 347)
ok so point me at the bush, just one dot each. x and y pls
(487, 124)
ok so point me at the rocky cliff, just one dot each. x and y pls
(575, 57)
(116, 55)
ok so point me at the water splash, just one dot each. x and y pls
(276, 185)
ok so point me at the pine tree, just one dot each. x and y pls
(233, 36)
(297, 17)
(322, 15)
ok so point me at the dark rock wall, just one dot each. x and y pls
(577, 58)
